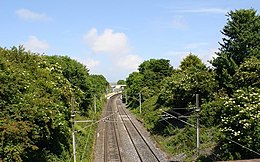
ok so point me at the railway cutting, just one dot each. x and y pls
(121, 138)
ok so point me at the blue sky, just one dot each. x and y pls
(113, 37)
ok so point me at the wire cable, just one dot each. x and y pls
(237, 144)
(244, 146)
(85, 146)
(217, 156)
(178, 119)
(97, 121)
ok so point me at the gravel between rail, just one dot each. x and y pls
(132, 138)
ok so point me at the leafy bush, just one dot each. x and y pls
(240, 123)
(35, 96)
(179, 90)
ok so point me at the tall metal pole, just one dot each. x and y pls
(197, 125)
(140, 102)
(95, 104)
(125, 98)
(73, 129)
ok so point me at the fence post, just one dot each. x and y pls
(197, 125)
(125, 97)
(95, 103)
(140, 102)
(73, 129)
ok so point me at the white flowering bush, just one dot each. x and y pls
(35, 100)
(240, 122)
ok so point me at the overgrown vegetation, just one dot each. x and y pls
(35, 102)
(229, 91)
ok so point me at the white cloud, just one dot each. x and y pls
(128, 62)
(107, 42)
(205, 10)
(118, 59)
(30, 15)
(91, 64)
(36, 45)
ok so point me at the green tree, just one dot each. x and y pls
(34, 97)
(35, 100)
(154, 70)
(148, 79)
(248, 74)
(99, 83)
(179, 90)
(121, 82)
(241, 40)
(191, 61)
(134, 84)
(78, 75)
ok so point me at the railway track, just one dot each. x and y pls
(111, 140)
(122, 141)
(142, 147)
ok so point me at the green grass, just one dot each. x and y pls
(177, 141)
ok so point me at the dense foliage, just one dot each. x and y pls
(240, 122)
(147, 80)
(229, 92)
(120, 82)
(192, 78)
(241, 41)
(35, 100)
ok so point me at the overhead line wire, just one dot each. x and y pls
(237, 143)
(190, 125)
(97, 121)
(178, 118)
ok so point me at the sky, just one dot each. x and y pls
(113, 37)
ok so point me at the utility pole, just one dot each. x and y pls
(125, 98)
(197, 125)
(73, 129)
(73, 126)
(140, 102)
(95, 104)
